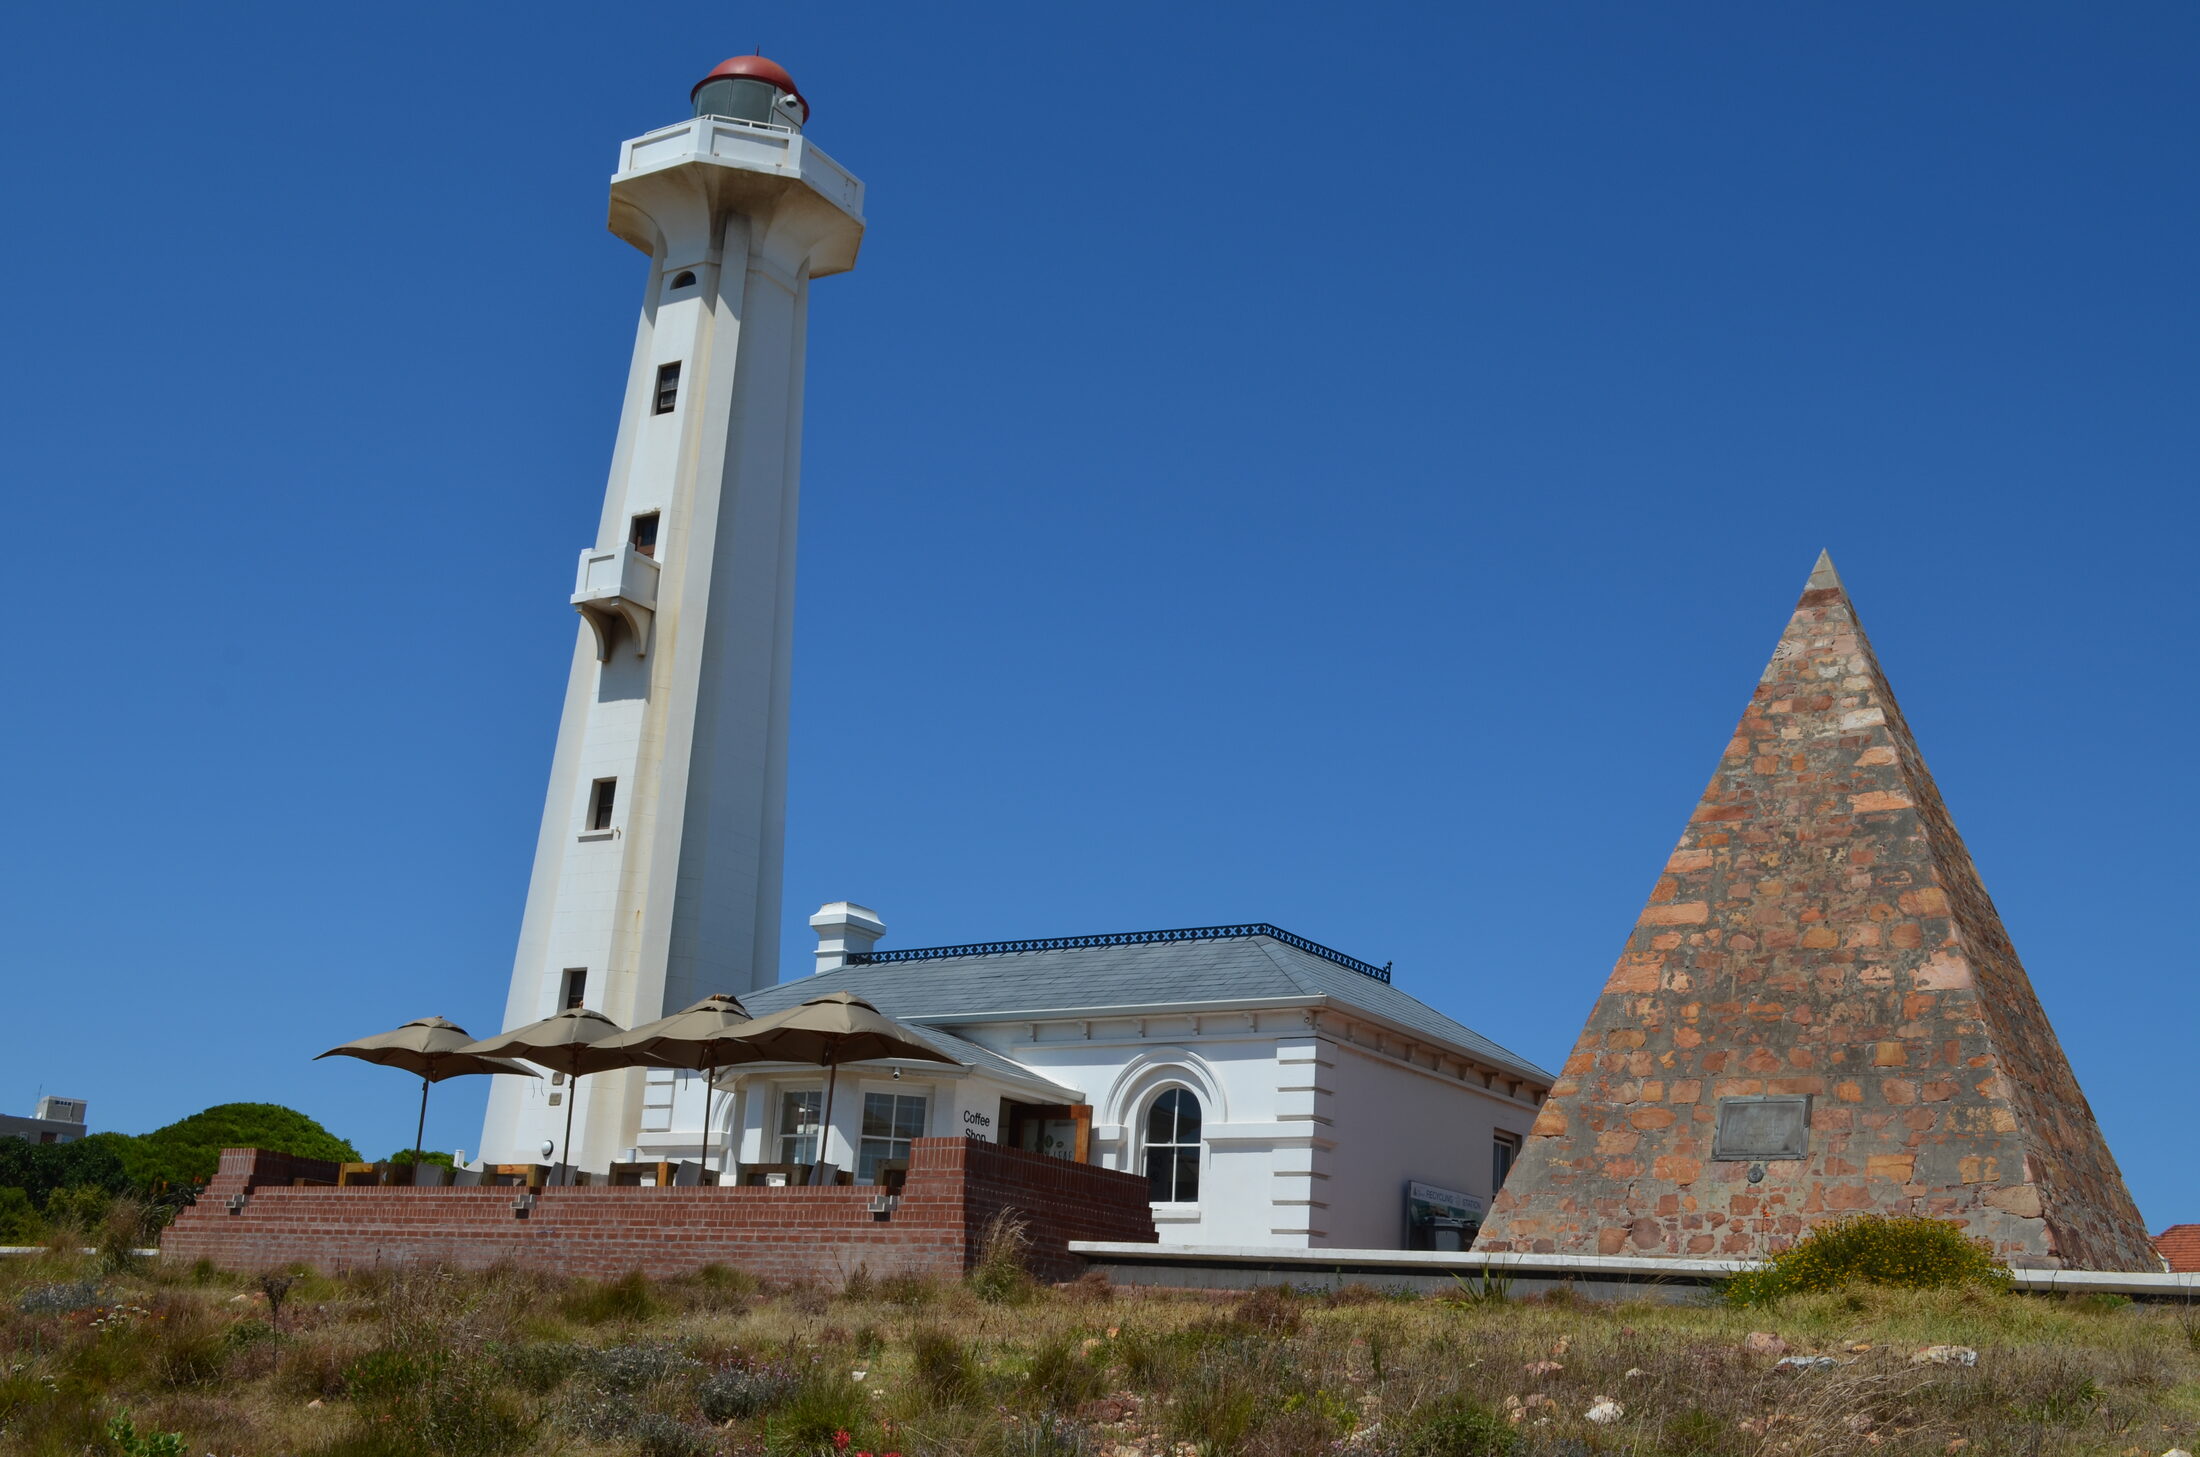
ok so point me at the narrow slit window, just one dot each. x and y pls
(1504, 1149)
(601, 801)
(643, 535)
(576, 992)
(668, 388)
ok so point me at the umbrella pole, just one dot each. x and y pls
(565, 1151)
(825, 1121)
(421, 1131)
(708, 1089)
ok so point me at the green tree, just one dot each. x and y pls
(19, 1221)
(99, 1161)
(188, 1150)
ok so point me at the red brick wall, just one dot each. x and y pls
(955, 1187)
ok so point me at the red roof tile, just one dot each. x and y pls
(2180, 1245)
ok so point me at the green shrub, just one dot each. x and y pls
(1456, 1427)
(599, 1303)
(131, 1443)
(1060, 1378)
(95, 1161)
(1000, 1275)
(942, 1366)
(439, 1403)
(657, 1435)
(425, 1156)
(19, 1221)
(187, 1151)
(627, 1369)
(539, 1367)
(746, 1391)
(1905, 1251)
(80, 1206)
(380, 1375)
(824, 1404)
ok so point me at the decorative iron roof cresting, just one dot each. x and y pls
(1124, 938)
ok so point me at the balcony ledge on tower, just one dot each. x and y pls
(743, 165)
(617, 589)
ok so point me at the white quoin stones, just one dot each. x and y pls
(657, 869)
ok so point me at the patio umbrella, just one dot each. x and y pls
(830, 1030)
(700, 1037)
(430, 1047)
(570, 1043)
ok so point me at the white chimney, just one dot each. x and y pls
(844, 929)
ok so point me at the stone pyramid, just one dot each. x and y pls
(1818, 1013)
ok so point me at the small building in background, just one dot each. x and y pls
(58, 1120)
(2180, 1247)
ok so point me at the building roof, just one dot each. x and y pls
(1095, 975)
(2180, 1245)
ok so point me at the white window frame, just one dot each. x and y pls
(780, 1139)
(920, 1094)
(1145, 1123)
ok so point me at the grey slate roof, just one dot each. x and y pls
(950, 989)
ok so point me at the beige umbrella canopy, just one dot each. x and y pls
(830, 1030)
(570, 1043)
(432, 1049)
(700, 1037)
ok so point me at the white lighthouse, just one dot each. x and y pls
(657, 872)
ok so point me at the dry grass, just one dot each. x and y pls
(498, 1362)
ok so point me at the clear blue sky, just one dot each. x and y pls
(1343, 467)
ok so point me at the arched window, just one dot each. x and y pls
(683, 280)
(1172, 1147)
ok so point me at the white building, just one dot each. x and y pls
(56, 1120)
(657, 870)
(1275, 1092)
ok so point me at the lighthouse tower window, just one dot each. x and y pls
(601, 801)
(668, 388)
(643, 534)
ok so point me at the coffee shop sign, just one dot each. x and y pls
(977, 1125)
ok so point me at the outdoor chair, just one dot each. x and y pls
(531, 1176)
(357, 1176)
(687, 1174)
(659, 1173)
(773, 1175)
(467, 1178)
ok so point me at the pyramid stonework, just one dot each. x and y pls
(1820, 934)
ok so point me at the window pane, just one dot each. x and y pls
(1187, 1175)
(798, 1112)
(909, 1117)
(1187, 1117)
(878, 1115)
(1161, 1122)
(1158, 1163)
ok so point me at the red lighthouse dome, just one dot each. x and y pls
(749, 88)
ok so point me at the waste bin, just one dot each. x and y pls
(1447, 1236)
